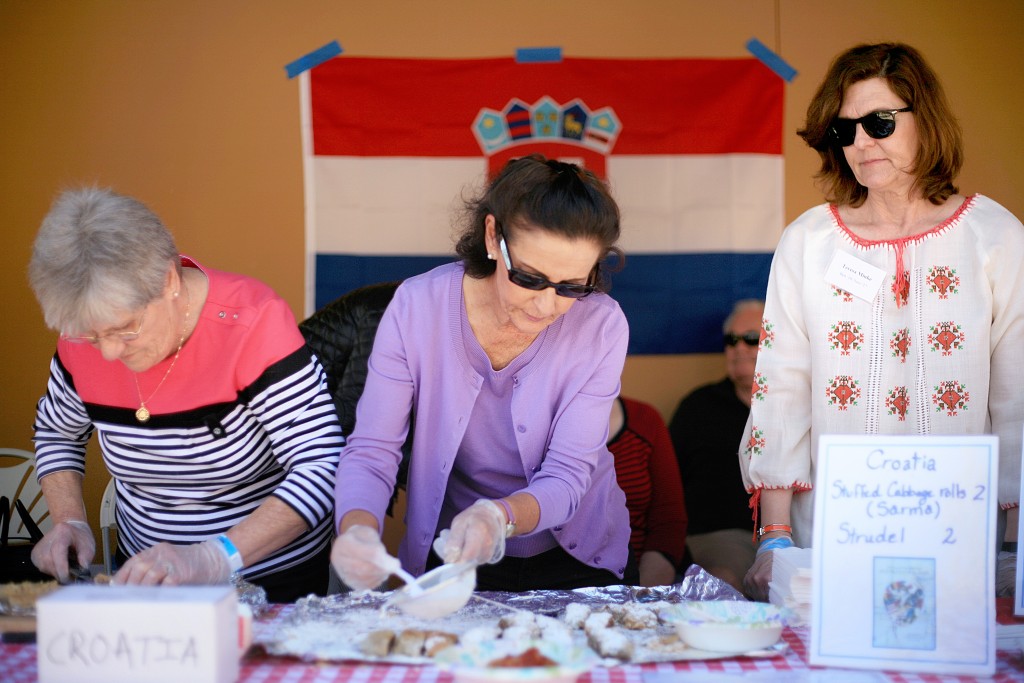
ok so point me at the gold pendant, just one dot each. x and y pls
(142, 414)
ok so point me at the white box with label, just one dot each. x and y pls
(143, 634)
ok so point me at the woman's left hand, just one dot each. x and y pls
(755, 583)
(477, 535)
(172, 565)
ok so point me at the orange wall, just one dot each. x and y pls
(185, 104)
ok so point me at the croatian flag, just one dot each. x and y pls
(692, 150)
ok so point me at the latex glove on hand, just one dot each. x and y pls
(360, 558)
(50, 554)
(177, 565)
(477, 535)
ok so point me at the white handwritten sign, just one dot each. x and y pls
(143, 634)
(904, 552)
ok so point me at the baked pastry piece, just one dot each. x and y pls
(21, 597)
(377, 643)
(575, 614)
(610, 642)
(409, 643)
(437, 641)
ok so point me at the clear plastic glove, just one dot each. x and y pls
(50, 554)
(755, 583)
(360, 558)
(177, 565)
(477, 535)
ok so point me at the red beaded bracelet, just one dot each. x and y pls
(768, 528)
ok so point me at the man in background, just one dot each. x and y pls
(706, 430)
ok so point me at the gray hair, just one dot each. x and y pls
(739, 307)
(98, 254)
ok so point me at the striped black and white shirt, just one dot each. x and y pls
(244, 414)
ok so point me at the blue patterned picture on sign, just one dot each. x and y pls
(904, 603)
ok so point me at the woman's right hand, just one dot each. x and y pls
(50, 555)
(360, 558)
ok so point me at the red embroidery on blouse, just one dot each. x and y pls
(900, 344)
(950, 396)
(843, 391)
(898, 403)
(945, 337)
(943, 280)
(846, 336)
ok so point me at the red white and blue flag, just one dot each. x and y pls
(692, 149)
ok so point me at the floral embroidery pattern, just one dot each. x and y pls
(898, 403)
(846, 336)
(945, 337)
(842, 392)
(760, 387)
(900, 344)
(943, 280)
(842, 294)
(755, 445)
(950, 396)
(767, 334)
(901, 289)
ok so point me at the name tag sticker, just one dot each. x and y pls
(854, 275)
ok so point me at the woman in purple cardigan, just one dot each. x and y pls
(510, 360)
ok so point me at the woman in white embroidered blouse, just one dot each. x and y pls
(926, 339)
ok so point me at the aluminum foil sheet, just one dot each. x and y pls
(331, 628)
(250, 594)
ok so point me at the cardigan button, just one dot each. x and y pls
(521, 429)
(572, 546)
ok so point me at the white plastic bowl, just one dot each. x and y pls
(442, 591)
(728, 625)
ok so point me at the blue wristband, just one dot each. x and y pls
(234, 557)
(774, 544)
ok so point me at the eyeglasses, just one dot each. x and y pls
(748, 338)
(122, 336)
(877, 124)
(536, 283)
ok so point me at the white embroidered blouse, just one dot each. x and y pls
(949, 359)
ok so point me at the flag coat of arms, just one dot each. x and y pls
(691, 148)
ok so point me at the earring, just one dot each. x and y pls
(176, 295)
(490, 257)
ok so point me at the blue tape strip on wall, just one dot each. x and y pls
(771, 60)
(314, 58)
(538, 55)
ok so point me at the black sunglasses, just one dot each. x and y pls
(537, 283)
(748, 338)
(877, 124)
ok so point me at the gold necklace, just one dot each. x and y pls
(142, 414)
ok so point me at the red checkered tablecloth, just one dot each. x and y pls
(18, 665)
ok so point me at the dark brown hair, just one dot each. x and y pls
(940, 154)
(555, 196)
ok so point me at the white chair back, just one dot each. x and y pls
(18, 482)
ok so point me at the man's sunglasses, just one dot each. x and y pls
(877, 124)
(537, 283)
(748, 338)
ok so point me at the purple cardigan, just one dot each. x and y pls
(560, 408)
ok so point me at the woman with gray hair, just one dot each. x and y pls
(212, 415)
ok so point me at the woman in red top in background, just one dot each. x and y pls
(648, 473)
